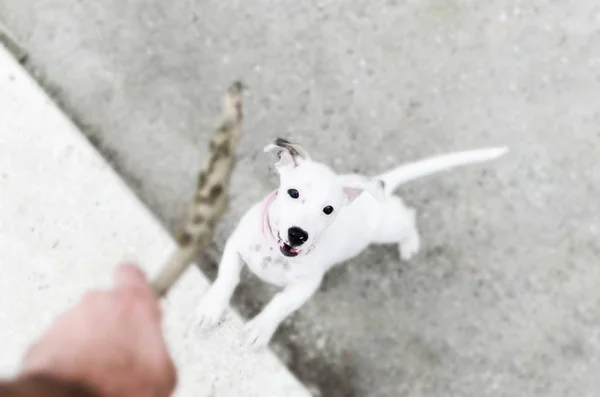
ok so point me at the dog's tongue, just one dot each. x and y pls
(288, 247)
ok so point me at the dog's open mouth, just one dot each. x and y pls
(287, 250)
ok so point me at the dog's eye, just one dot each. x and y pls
(293, 193)
(328, 210)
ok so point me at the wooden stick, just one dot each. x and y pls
(211, 198)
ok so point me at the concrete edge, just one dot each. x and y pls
(192, 278)
(12, 44)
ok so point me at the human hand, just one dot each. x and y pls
(111, 340)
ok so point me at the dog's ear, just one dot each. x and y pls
(288, 153)
(353, 185)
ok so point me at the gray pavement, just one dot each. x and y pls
(66, 219)
(503, 300)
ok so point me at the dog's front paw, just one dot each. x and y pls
(409, 247)
(210, 310)
(258, 332)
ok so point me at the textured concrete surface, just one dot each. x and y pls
(503, 300)
(66, 219)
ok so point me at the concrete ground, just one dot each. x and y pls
(66, 219)
(503, 299)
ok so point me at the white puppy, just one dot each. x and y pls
(313, 221)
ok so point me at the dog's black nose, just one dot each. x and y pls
(297, 236)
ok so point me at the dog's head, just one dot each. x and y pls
(310, 197)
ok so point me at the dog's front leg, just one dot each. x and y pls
(262, 327)
(216, 299)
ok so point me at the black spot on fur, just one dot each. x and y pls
(282, 142)
(287, 145)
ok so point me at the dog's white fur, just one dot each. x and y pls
(358, 220)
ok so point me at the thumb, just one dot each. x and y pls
(128, 276)
(131, 282)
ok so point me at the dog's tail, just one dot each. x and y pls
(408, 172)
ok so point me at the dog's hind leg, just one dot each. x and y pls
(411, 242)
(398, 225)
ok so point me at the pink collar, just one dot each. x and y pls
(266, 224)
